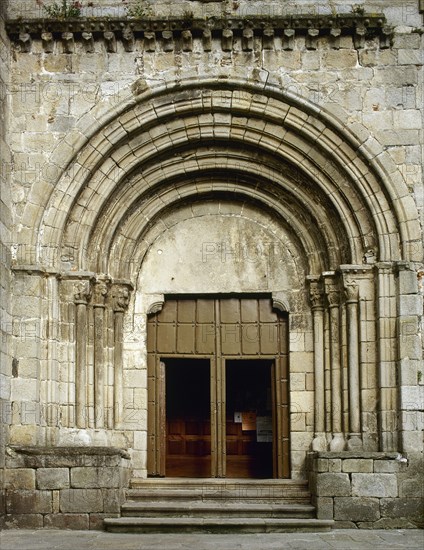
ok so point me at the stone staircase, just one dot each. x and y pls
(178, 505)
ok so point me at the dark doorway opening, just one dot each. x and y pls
(249, 419)
(188, 421)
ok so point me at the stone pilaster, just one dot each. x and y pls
(386, 314)
(409, 358)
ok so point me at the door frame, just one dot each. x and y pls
(157, 403)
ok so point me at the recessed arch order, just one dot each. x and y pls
(339, 194)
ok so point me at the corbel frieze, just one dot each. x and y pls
(276, 32)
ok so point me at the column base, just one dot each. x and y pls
(354, 443)
(319, 443)
(338, 443)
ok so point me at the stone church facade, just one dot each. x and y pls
(212, 255)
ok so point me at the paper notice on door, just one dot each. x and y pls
(264, 429)
(237, 418)
(248, 421)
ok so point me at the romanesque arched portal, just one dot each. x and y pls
(191, 169)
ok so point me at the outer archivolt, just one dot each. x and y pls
(159, 135)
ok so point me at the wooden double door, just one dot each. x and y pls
(218, 389)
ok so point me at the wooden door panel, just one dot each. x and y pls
(223, 329)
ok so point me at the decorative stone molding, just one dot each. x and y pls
(172, 31)
(316, 294)
(100, 291)
(279, 305)
(82, 292)
(121, 296)
(156, 307)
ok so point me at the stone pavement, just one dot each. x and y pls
(92, 540)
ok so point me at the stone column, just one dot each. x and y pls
(99, 295)
(351, 289)
(316, 294)
(121, 298)
(333, 296)
(82, 293)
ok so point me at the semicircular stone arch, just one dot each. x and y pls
(260, 166)
(157, 126)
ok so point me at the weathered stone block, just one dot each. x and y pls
(333, 485)
(322, 465)
(66, 521)
(334, 465)
(325, 507)
(411, 508)
(356, 509)
(109, 477)
(411, 488)
(345, 525)
(410, 305)
(392, 523)
(24, 502)
(406, 41)
(374, 485)
(385, 466)
(82, 477)
(24, 521)
(96, 521)
(357, 465)
(52, 478)
(22, 478)
(81, 500)
(112, 500)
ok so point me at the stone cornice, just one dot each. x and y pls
(167, 31)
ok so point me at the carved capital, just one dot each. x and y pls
(316, 295)
(100, 291)
(82, 292)
(121, 297)
(332, 291)
(351, 289)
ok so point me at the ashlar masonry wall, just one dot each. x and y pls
(62, 85)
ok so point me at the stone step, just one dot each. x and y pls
(215, 525)
(214, 509)
(186, 482)
(278, 491)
